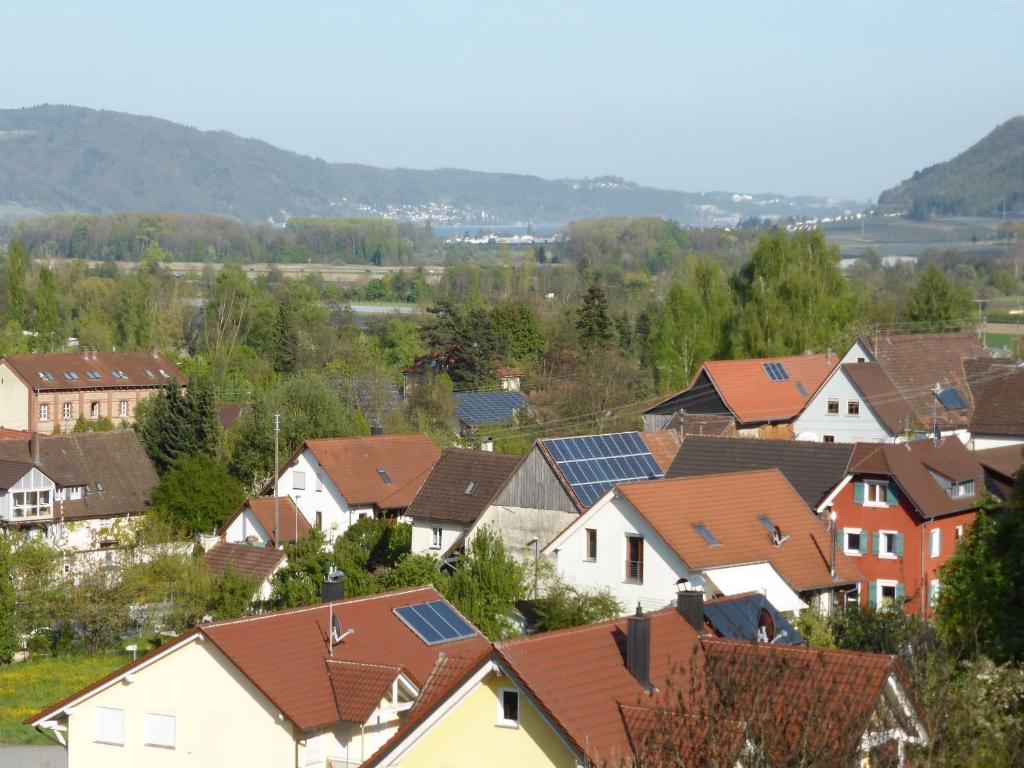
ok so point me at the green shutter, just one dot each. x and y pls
(840, 539)
(858, 492)
(891, 497)
(872, 594)
(900, 594)
(899, 545)
(931, 593)
(876, 543)
(863, 542)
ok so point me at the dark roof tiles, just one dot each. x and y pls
(46, 372)
(462, 484)
(257, 563)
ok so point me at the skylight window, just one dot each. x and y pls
(46, 376)
(149, 373)
(775, 371)
(471, 488)
(708, 536)
(385, 477)
(767, 523)
(119, 374)
(164, 373)
(93, 375)
(70, 375)
(951, 399)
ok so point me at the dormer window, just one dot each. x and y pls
(385, 477)
(961, 489)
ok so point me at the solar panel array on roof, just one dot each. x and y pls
(738, 619)
(775, 371)
(951, 399)
(488, 407)
(434, 622)
(593, 464)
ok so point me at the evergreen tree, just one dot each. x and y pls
(486, 585)
(197, 494)
(593, 325)
(542, 256)
(286, 341)
(17, 268)
(46, 315)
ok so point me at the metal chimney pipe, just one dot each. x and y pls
(33, 446)
(638, 647)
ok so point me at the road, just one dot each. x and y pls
(33, 757)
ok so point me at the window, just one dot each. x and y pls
(508, 708)
(109, 726)
(470, 488)
(851, 598)
(853, 407)
(46, 376)
(965, 488)
(854, 541)
(828, 438)
(435, 537)
(319, 482)
(94, 410)
(958, 532)
(298, 481)
(933, 593)
(860, 359)
(163, 373)
(149, 373)
(31, 504)
(888, 592)
(385, 477)
(833, 407)
(888, 544)
(875, 494)
(708, 536)
(94, 375)
(634, 559)
(122, 409)
(70, 375)
(319, 520)
(934, 542)
(159, 731)
(591, 544)
(44, 412)
(66, 411)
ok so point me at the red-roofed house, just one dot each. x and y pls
(253, 523)
(763, 395)
(316, 686)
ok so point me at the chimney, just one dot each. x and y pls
(85, 353)
(33, 446)
(829, 355)
(638, 647)
(690, 604)
(487, 444)
(333, 587)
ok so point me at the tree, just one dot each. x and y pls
(102, 424)
(517, 337)
(564, 605)
(486, 585)
(172, 425)
(298, 582)
(593, 325)
(46, 314)
(17, 269)
(231, 595)
(286, 341)
(461, 339)
(9, 643)
(197, 494)
(937, 303)
(431, 407)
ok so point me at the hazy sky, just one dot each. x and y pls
(837, 97)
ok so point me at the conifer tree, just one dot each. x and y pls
(593, 325)
(17, 267)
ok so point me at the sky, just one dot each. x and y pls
(826, 97)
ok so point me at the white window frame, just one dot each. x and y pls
(934, 585)
(105, 718)
(44, 411)
(502, 722)
(852, 596)
(25, 510)
(934, 542)
(881, 487)
(846, 534)
(154, 724)
(298, 480)
(319, 482)
(94, 409)
(122, 409)
(958, 533)
(67, 411)
(855, 404)
(436, 536)
(589, 533)
(890, 555)
(880, 600)
(828, 406)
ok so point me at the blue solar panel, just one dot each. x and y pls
(738, 619)
(435, 622)
(951, 399)
(488, 407)
(593, 464)
(775, 371)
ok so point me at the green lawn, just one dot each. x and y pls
(29, 686)
(999, 340)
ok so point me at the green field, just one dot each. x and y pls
(997, 341)
(29, 686)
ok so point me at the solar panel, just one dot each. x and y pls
(435, 622)
(488, 407)
(593, 464)
(951, 399)
(705, 534)
(775, 371)
(738, 619)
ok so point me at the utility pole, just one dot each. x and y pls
(982, 303)
(277, 476)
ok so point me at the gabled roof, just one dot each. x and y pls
(262, 509)
(729, 506)
(754, 395)
(16, 434)
(911, 464)
(257, 563)
(702, 424)
(113, 461)
(358, 466)
(1001, 466)
(475, 408)
(359, 688)
(229, 413)
(46, 372)
(462, 484)
(881, 396)
(663, 445)
(999, 404)
(11, 472)
(813, 469)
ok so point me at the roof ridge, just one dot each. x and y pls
(399, 667)
(718, 476)
(891, 658)
(526, 639)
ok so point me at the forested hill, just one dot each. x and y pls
(56, 159)
(977, 182)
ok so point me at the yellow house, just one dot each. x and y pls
(320, 686)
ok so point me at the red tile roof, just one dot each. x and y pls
(263, 510)
(134, 366)
(663, 445)
(352, 463)
(881, 396)
(358, 688)
(999, 404)
(729, 505)
(257, 563)
(13, 434)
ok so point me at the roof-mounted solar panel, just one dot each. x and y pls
(435, 622)
(775, 371)
(594, 463)
(951, 399)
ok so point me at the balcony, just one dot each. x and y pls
(634, 572)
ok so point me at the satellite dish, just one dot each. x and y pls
(765, 625)
(335, 629)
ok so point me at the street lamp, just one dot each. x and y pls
(535, 543)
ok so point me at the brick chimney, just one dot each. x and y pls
(638, 647)
(690, 602)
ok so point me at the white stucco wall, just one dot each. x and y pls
(338, 515)
(13, 400)
(980, 442)
(423, 537)
(815, 419)
(244, 526)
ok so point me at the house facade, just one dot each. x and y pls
(254, 522)
(900, 514)
(46, 392)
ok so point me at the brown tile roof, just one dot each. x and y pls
(11, 472)
(1006, 459)
(663, 445)
(229, 413)
(284, 654)
(257, 563)
(263, 510)
(448, 671)
(352, 463)
(909, 464)
(999, 403)
(729, 505)
(15, 434)
(134, 366)
(358, 687)
(461, 485)
(881, 396)
(915, 363)
(115, 461)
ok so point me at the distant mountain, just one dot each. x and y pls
(57, 159)
(978, 182)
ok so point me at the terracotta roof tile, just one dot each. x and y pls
(663, 445)
(753, 397)
(263, 510)
(13, 434)
(359, 688)
(729, 505)
(134, 366)
(257, 563)
(461, 485)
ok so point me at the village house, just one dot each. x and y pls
(474, 410)
(738, 532)
(83, 493)
(46, 392)
(763, 396)
(335, 481)
(1001, 466)
(631, 691)
(257, 564)
(325, 685)
(893, 388)
(253, 523)
(900, 513)
(998, 417)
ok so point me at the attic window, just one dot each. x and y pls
(958, 490)
(708, 536)
(164, 373)
(70, 375)
(775, 371)
(470, 488)
(119, 374)
(767, 523)
(99, 487)
(93, 375)
(149, 373)
(385, 477)
(46, 376)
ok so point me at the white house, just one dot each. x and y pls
(254, 522)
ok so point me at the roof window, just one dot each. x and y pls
(149, 373)
(93, 375)
(767, 523)
(70, 375)
(99, 487)
(119, 374)
(164, 373)
(385, 477)
(775, 371)
(46, 376)
(951, 399)
(705, 534)
(471, 488)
